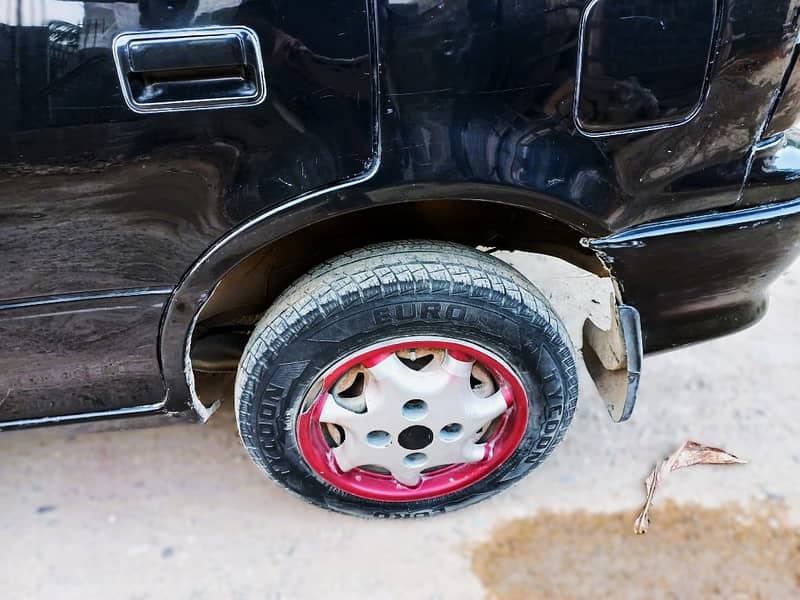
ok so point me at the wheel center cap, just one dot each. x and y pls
(415, 437)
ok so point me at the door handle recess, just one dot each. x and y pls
(190, 69)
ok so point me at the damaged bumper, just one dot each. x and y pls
(701, 277)
(613, 358)
(684, 281)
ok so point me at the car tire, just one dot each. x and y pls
(405, 379)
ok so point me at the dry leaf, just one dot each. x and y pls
(690, 453)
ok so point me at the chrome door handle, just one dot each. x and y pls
(190, 69)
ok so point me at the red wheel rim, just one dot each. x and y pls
(507, 429)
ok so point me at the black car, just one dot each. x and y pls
(295, 203)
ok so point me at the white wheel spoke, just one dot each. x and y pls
(484, 410)
(457, 368)
(407, 476)
(474, 452)
(338, 415)
(390, 368)
(348, 456)
(344, 458)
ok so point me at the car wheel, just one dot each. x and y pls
(405, 379)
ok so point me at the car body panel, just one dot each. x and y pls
(130, 200)
(96, 199)
(368, 104)
(80, 354)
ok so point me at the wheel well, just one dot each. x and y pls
(246, 291)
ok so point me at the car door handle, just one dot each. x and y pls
(190, 69)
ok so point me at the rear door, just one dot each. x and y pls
(115, 177)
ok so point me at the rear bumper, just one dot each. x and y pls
(701, 277)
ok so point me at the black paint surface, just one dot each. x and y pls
(472, 100)
(79, 356)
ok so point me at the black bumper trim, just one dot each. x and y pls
(696, 223)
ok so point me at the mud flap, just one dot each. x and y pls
(613, 358)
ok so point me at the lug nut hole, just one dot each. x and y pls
(415, 459)
(415, 410)
(379, 438)
(451, 432)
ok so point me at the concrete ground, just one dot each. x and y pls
(180, 512)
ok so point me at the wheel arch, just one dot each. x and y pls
(237, 278)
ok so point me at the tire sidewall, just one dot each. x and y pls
(274, 390)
